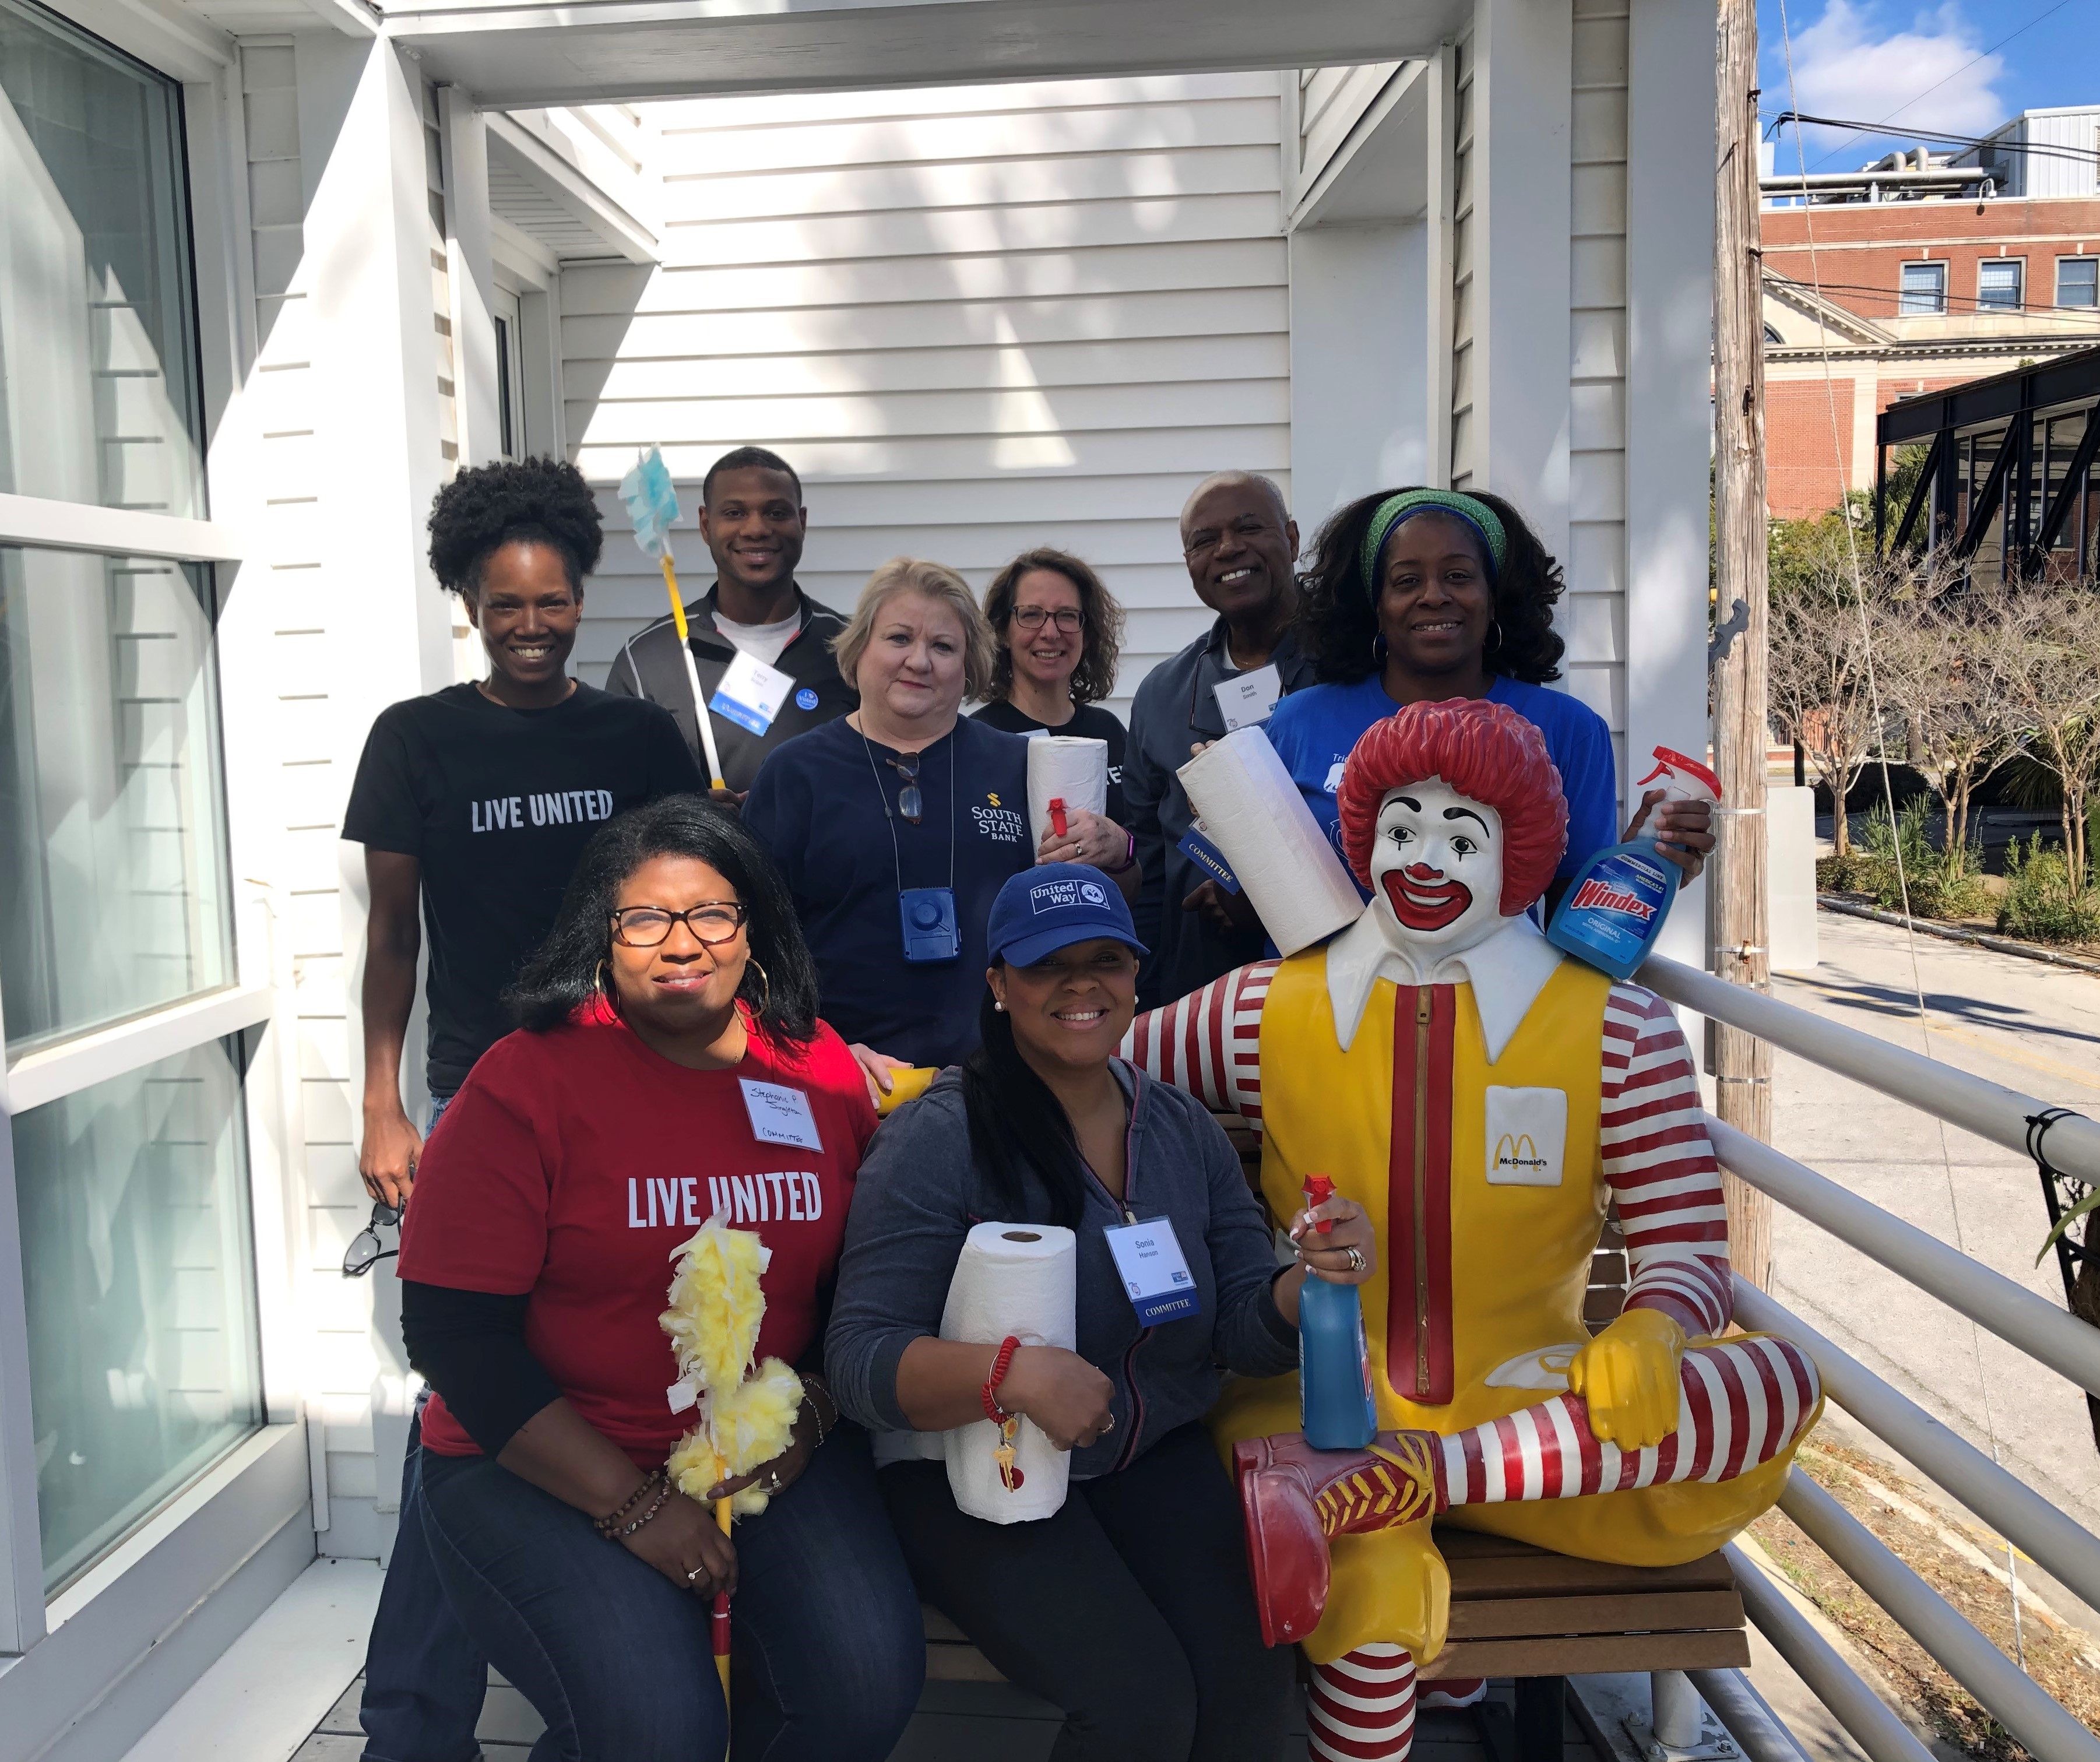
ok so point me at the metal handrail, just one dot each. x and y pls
(1975, 1104)
(1746, 1716)
(2003, 1500)
(2012, 1312)
(2025, 1710)
(1840, 1688)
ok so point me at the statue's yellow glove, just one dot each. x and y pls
(1628, 1374)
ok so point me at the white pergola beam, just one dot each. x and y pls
(516, 54)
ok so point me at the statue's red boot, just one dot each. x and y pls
(1296, 1499)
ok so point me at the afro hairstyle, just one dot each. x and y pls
(486, 506)
(1484, 750)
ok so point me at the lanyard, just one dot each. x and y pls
(882, 795)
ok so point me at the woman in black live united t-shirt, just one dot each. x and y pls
(476, 800)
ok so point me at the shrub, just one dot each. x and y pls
(1935, 889)
(2039, 903)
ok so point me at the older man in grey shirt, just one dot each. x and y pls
(1241, 545)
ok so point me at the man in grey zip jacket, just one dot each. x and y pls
(753, 521)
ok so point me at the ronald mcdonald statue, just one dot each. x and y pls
(1484, 1098)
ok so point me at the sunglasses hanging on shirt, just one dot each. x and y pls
(926, 916)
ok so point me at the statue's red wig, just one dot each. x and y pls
(1483, 750)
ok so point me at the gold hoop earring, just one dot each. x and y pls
(765, 1002)
(604, 989)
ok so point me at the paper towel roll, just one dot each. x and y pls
(1252, 811)
(1018, 1279)
(1075, 770)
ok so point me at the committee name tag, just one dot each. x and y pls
(1149, 1257)
(779, 1115)
(751, 693)
(1248, 698)
(1208, 858)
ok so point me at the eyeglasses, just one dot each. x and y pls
(712, 922)
(1068, 619)
(911, 803)
(364, 1251)
(1245, 529)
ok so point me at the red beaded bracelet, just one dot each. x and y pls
(999, 1366)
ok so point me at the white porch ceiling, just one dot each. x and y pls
(519, 53)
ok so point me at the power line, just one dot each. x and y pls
(2086, 155)
(1984, 54)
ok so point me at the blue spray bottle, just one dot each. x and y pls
(1619, 900)
(1334, 1407)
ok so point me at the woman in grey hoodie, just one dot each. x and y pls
(1130, 1607)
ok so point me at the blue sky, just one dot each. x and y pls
(1962, 67)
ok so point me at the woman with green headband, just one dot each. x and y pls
(1421, 595)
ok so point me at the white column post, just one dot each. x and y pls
(467, 230)
(1669, 281)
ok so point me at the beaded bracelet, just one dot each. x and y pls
(608, 1525)
(662, 1498)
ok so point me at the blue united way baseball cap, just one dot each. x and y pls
(1053, 906)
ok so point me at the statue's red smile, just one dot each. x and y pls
(1424, 898)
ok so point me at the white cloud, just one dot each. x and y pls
(1846, 64)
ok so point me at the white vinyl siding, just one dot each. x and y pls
(975, 320)
(1463, 112)
(1591, 619)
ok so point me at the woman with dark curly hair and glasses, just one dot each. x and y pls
(1421, 595)
(1058, 636)
(670, 1068)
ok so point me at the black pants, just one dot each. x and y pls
(1131, 1608)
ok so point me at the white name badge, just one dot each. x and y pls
(779, 1115)
(751, 693)
(1248, 698)
(1155, 1273)
(1526, 1136)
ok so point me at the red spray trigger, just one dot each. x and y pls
(1319, 1191)
(1057, 815)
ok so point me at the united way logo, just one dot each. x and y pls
(1093, 892)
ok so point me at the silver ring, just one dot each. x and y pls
(771, 1485)
(1355, 1260)
(697, 1572)
(1110, 1426)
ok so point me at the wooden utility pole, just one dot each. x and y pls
(1742, 1063)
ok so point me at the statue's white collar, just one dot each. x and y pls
(1507, 971)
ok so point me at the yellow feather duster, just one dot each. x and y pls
(747, 1415)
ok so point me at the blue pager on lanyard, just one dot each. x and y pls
(930, 930)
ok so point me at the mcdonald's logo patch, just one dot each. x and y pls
(1526, 1137)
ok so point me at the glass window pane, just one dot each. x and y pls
(2077, 280)
(113, 891)
(1998, 284)
(1924, 290)
(143, 1362)
(98, 344)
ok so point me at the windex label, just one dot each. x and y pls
(1604, 897)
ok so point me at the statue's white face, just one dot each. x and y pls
(1436, 867)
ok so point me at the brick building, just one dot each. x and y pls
(1915, 275)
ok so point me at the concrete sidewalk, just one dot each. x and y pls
(2033, 1027)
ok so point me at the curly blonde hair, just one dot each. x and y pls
(929, 580)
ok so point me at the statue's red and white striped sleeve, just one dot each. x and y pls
(1660, 1163)
(1209, 1043)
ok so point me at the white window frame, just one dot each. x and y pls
(1902, 293)
(2058, 290)
(2018, 265)
(61, 1657)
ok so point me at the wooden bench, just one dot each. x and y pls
(1521, 1612)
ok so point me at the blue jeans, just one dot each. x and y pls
(617, 1659)
(424, 1679)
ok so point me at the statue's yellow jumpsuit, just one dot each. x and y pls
(1485, 1256)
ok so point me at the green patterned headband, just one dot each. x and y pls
(1395, 510)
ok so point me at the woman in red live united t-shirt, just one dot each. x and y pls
(671, 1011)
